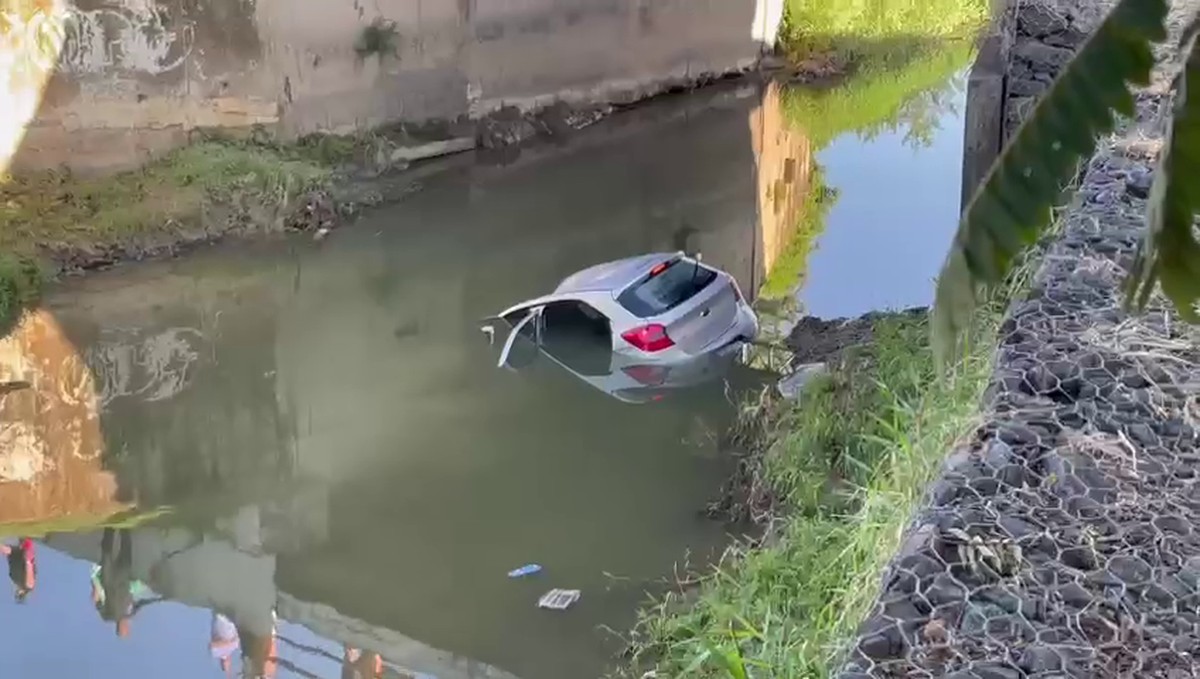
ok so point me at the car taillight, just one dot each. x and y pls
(649, 338)
(647, 375)
(736, 291)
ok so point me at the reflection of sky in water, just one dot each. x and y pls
(166, 639)
(886, 236)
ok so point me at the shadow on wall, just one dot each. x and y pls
(100, 85)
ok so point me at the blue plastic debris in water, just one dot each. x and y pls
(521, 572)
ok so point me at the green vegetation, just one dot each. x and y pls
(240, 184)
(850, 30)
(849, 466)
(57, 209)
(20, 285)
(877, 95)
(791, 266)
(79, 523)
(379, 38)
(1010, 209)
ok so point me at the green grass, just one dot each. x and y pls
(876, 94)
(20, 285)
(165, 199)
(853, 29)
(57, 209)
(850, 465)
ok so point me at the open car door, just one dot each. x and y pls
(524, 337)
(524, 322)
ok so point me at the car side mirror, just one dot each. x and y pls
(490, 332)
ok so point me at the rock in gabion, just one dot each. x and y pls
(1044, 36)
(1063, 539)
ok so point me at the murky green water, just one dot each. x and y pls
(341, 465)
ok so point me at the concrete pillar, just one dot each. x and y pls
(983, 128)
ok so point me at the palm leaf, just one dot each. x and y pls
(1012, 205)
(1169, 252)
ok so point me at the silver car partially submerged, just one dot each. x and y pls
(635, 326)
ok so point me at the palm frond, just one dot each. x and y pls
(1012, 205)
(1169, 252)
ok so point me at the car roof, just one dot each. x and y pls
(613, 276)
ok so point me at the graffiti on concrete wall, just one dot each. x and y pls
(132, 36)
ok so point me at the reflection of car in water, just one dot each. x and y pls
(635, 328)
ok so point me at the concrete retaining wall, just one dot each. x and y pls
(100, 84)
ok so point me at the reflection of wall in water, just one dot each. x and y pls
(50, 440)
(188, 396)
(784, 159)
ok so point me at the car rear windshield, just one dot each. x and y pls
(659, 292)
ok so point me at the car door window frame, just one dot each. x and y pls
(533, 315)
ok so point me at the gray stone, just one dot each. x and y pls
(793, 386)
(997, 453)
(1139, 182)
(432, 150)
(1073, 594)
(1037, 658)
(1026, 87)
(996, 671)
(1043, 58)
(1070, 39)
(1130, 569)
(1039, 20)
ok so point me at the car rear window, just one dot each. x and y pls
(659, 292)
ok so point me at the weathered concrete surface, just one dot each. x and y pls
(101, 84)
(1060, 539)
(983, 126)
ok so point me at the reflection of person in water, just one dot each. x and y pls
(114, 589)
(21, 567)
(259, 652)
(357, 664)
(224, 642)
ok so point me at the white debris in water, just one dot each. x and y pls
(559, 599)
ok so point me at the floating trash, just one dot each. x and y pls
(559, 599)
(521, 572)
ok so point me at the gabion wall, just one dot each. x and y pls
(1064, 539)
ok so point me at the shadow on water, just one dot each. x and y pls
(333, 440)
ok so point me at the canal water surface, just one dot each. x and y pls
(302, 457)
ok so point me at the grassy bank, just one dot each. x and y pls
(848, 467)
(206, 188)
(857, 29)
